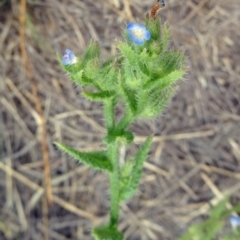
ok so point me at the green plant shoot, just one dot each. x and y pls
(142, 76)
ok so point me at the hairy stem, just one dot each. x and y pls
(124, 122)
(109, 114)
(114, 184)
(113, 152)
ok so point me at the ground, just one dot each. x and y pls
(195, 158)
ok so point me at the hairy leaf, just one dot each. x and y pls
(96, 160)
(156, 102)
(128, 53)
(93, 51)
(166, 81)
(133, 182)
(107, 78)
(99, 96)
(153, 25)
(130, 97)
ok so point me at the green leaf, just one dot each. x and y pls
(109, 62)
(107, 76)
(91, 73)
(165, 63)
(125, 175)
(81, 79)
(129, 189)
(165, 37)
(212, 227)
(167, 81)
(96, 160)
(107, 233)
(156, 103)
(153, 25)
(126, 169)
(93, 51)
(130, 97)
(99, 96)
(219, 209)
(128, 53)
(78, 77)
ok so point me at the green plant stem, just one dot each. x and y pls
(113, 154)
(114, 184)
(109, 114)
(125, 122)
(113, 150)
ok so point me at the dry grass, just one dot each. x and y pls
(195, 158)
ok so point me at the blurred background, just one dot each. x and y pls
(195, 157)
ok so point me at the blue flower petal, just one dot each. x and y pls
(235, 221)
(147, 35)
(69, 58)
(66, 61)
(130, 26)
(138, 41)
(140, 26)
(138, 33)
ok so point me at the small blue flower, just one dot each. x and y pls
(235, 221)
(138, 33)
(69, 58)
